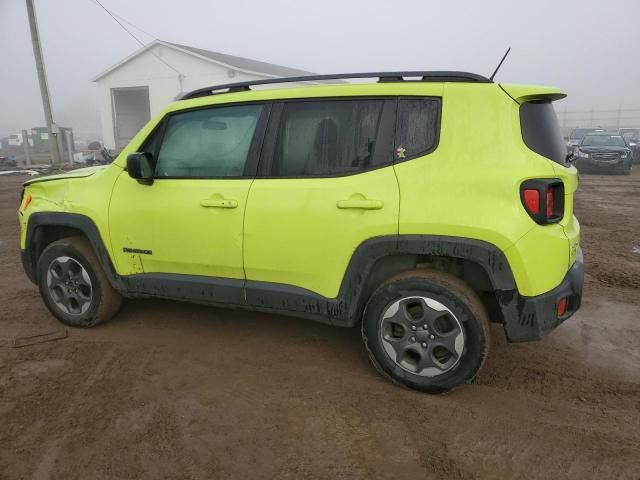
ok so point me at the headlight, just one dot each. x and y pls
(624, 155)
(581, 154)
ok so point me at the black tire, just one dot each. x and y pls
(465, 312)
(59, 276)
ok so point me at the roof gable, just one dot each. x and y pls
(246, 65)
(242, 63)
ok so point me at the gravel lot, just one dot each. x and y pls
(171, 390)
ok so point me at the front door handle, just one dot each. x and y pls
(218, 203)
(361, 204)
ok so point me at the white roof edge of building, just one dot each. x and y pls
(175, 47)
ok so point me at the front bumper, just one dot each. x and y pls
(531, 318)
(588, 165)
(27, 265)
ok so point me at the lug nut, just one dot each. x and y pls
(413, 339)
(425, 326)
(413, 327)
(424, 344)
(431, 337)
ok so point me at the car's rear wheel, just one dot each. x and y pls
(73, 286)
(426, 330)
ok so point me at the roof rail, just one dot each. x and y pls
(437, 76)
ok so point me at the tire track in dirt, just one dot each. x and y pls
(54, 445)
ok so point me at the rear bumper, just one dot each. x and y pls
(531, 318)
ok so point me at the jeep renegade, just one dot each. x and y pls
(420, 207)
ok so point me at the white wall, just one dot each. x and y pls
(163, 82)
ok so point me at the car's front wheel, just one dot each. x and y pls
(73, 286)
(426, 330)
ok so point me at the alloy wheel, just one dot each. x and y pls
(422, 336)
(69, 285)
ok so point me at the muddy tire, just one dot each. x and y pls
(73, 285)
(426, 330)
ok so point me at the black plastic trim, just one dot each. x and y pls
(525, 318)
(186, 287)
(72, 220)
(531, 318)
(541, 185)
(28, 266)
(345, 309)
(426, 76)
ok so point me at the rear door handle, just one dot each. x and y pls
(218, 203)
(361, 204)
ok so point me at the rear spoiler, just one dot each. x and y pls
(526, 93)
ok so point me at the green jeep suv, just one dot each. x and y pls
(420, 207)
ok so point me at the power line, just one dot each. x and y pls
(112, 15)
(135, 26)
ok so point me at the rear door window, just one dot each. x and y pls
(327, 137)
(541, 131)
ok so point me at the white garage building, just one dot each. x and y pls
(139, 86)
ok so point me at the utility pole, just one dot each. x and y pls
(44, 89)
(27, 148)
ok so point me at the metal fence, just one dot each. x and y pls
(607, 119)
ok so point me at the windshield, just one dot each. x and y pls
(603, 141)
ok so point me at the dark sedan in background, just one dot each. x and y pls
(603, 153)
(632, 136)
(576, 136)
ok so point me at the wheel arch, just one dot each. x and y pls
(482, 265)
(43, 228)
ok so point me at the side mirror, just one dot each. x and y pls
(140, 167)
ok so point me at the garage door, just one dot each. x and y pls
(131, 111)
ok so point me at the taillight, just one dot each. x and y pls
(549, 201)
(531, 200)
(543, 199)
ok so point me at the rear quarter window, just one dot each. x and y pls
(417, 127)
(541, 131)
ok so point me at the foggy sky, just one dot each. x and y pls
(589, 48)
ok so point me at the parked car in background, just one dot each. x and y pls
(603, 152)
(576, 136)
(632, 136)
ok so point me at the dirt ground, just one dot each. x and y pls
(177, 391)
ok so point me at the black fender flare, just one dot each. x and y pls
(489, 257)
(345, 309)
(76, 221)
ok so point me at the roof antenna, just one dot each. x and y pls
(500, 64)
